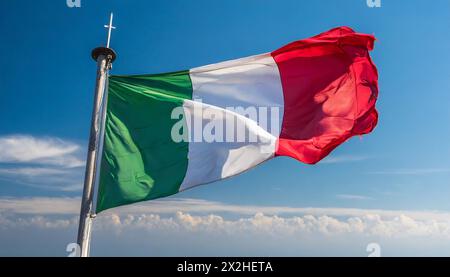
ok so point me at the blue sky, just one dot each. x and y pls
(46, 86)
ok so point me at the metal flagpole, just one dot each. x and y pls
(104, 56)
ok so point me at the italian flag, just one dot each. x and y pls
(169, 132)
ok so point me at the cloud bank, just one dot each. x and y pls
(202, 215)
(179, 226)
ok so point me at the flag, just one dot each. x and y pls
(165, 133)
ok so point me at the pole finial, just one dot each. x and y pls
(110, 27)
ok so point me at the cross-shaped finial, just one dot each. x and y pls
(110, 27)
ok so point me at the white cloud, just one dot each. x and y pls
(45, 162)
(353, 197)
(202, 215)
(370, 225)
(71, 206)
(42, 222)
(413, 171)
(31, 171)
(40, 205)
(45, 150)
(343, 159)
(201, 227)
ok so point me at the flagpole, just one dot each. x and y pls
(104, 56)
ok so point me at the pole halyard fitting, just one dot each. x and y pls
(107, 52)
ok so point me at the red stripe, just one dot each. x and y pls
(330, 87)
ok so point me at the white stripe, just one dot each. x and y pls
(248, 82)
(211, 161)
(252, 82)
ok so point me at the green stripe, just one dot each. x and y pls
(140, 161)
